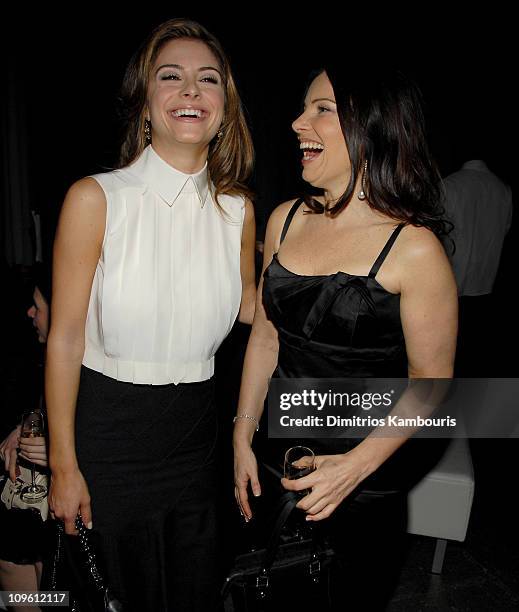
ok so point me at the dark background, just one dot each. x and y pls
(68, 67)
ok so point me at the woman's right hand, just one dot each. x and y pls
(68, 497)
(245, 471)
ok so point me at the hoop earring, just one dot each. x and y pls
(147, 130)
(362, 192)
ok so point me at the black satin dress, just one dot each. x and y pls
(337, 326)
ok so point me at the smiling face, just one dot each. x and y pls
(186, 97)
(326, 162)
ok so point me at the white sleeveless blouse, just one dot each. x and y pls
(167, 287)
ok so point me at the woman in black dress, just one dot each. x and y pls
(355, 284)
(152, 264)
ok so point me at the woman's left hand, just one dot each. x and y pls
(334, 478)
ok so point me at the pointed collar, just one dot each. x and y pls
(166, 181)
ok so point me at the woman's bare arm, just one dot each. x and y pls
(260, 361)
(429, 315)
(77, 249)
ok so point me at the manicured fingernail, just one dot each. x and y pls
(308, 518)
(89, 525)
(257, 493)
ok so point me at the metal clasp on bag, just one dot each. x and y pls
(314, 568)
(262, 583)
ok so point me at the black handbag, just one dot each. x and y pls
(294, 565)
(74, 568)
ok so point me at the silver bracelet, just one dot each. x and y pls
(246, 416)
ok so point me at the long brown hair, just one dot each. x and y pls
(231, 157)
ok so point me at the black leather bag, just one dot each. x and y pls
(293, 566)
(74, 568)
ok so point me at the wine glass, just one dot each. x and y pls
(299, 462)
(33, 427)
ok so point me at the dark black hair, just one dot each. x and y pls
(381, 116)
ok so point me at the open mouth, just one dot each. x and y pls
(311, 150)
(189, 114)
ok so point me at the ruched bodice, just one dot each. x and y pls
(337, 326)
(334, 325)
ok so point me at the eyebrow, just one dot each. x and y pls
(179, 67)
(323, 99)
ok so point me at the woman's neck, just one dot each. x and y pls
(189, 159)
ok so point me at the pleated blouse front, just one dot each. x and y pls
(167, 287)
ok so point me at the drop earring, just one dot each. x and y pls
(219, 134)
(147, 130)
(362, 192)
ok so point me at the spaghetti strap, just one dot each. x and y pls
(383, 254)
(288, 220)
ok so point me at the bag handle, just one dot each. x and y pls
(88, 552)
(287, 504)
(56, 558)
(63, 552)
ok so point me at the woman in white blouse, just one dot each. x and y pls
(153, 262)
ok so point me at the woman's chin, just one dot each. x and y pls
(189, 138)
(307, 176)
(311, 179)
(194, 141)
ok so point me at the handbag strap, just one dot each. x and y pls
(285, 507)
(287, 503)
(63, 550)
(57, 557)
(60, 554)
(88, 551)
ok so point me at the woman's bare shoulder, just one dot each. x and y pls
(279, 214)
(83, 210)
(419, 243)
(86, 189)
(277, 219)
(85, 199)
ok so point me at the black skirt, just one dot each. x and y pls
(148, 456)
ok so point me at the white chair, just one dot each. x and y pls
(440, 504)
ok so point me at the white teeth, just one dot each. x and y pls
(308, 144)
(187, 112)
